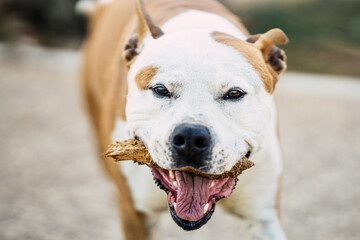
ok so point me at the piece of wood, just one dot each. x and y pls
(136, 151)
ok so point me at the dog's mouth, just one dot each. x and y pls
(192, 198)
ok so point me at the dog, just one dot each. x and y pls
(187, 79)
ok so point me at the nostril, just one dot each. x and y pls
(201, 142)
(179, 140)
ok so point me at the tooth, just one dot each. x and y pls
(212, 184)
(175, 205)
(206, 207)
(175, 184)
(171, 174)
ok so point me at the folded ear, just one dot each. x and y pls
(273, 56)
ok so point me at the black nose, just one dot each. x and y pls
(191, 143)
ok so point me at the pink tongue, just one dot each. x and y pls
(192, 195)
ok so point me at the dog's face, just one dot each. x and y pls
(200, 83)
(201, 100)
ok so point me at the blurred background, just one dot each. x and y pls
(325, 34)
(52, 186)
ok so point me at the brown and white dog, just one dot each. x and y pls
(186, 78)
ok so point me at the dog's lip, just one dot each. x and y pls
(190, 225)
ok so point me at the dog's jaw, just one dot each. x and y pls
(191, 198)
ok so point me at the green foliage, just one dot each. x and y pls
(324, 35)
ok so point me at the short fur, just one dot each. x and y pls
(115, 53)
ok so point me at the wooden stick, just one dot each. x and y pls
(136, 151)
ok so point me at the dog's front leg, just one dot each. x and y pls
(133, 222)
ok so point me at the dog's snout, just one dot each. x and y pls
(190, 139)
(190, 143)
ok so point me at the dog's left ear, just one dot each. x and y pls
(274, 57)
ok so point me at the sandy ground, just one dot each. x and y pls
(52, 186)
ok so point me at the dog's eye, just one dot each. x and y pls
(161, 90)
(234, 93)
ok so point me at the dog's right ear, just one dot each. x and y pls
(145, 23)
(131, 48)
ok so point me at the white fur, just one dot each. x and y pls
(147, 196)
(199, 71)
(254, 197)
(194, 19)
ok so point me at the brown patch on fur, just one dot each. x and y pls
(144, 76)
(276, 57)
(104, 80)
(267, 59)
(253, 38)
(272, 37)
(252, 54)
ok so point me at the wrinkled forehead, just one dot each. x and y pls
(194, 56)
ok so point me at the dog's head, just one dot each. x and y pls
(202, 100)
